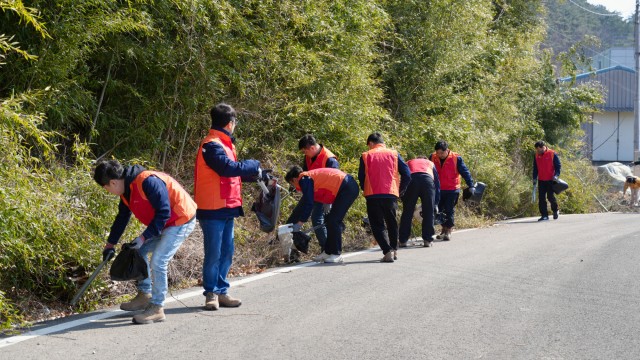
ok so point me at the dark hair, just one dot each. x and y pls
(293, 173)
(441, 145)
(107, 171)
(540, 144)
(222, 114)
(306, 141)
(375, 138)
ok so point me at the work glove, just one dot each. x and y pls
(296, 227)
(108, 252)
(472, 190)
(326, 208)
(555, 179)
(137, 242)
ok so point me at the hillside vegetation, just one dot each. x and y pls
(82, 80)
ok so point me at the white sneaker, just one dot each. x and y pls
(322, 257)
(334, 259)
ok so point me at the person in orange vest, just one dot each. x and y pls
(546, 170)
(324, 186)
(383, 177)
(316, 156)
(450, 167)
(424, 185)
(218, 193)
(159, 202)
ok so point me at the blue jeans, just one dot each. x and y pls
(161, 249)
(218, 254)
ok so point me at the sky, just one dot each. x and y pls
(624, 7)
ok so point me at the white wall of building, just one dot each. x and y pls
(613, 136)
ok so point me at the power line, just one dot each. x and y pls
(593, 12)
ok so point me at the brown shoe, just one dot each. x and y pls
(388, 257)
(228, 301)
(211, 302)
(447, 235)
(139, 302)
(153, 313)
(442, 232)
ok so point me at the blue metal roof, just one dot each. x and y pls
(618, 83)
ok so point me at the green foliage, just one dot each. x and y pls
(54, 217)
(567, 24)
(136, 79)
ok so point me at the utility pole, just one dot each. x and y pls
(636, 104)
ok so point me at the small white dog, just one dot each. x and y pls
(633, 183)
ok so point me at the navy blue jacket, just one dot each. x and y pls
(215, 157)
(156, 192)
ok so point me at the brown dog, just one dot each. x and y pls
(633, 183)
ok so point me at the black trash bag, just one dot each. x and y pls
(267, 208)
(439, 218)
(301, 241)
(128, 265)
(477, 194)
(559, 186)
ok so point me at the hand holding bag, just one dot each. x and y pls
(128, 265)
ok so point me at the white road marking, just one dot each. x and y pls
(110, 313)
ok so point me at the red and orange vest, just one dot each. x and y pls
(447, 171)
(321, 159)
(212, 191)
(326, 183)
(421, 166)
(544, 162)
(183, 208)
(381, 171)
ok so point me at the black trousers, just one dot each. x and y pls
(345, 197)
(545, 192)
(447, 205)
(384, 225)
(423, 188)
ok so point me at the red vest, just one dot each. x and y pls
(381, 171)
(212, 191)
(326, 183)
(421, 166)
(544, 162)
(447, 172)
(183, 208)
(321, 159)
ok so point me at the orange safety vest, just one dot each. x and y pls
(212, 191)
(326, 183)
(321, 159)
(381, 171)
(447, 172)
(421, 166)
(544, 162)
(183, 208)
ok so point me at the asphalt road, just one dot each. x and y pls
(564, 289)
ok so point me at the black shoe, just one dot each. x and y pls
(543, 218)
(555, 215)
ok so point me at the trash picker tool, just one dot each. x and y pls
(86, 284)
